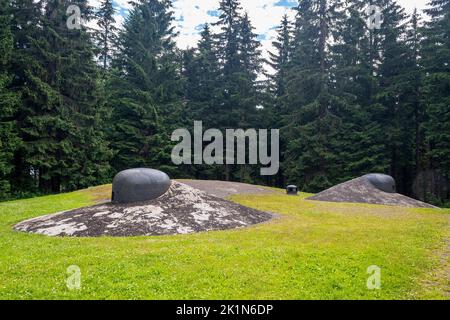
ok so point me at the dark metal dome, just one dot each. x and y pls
(135, 185)
(292, 190)
(382, 182)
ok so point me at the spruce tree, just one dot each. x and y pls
(312, 123)
(91, 149)
(145, 88)
(249, 95)
(202, 72)
(228, 48)
(240, 63)
(436, 91)
(274, 106)
(106, 36)
(202, 91)
(415, 79)
(57, 79)
(26, 15)
(280, 59)
(246, 79)
(392, 111)
(352, 81)
(9, 140)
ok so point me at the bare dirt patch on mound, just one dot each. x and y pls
(181, 210)
(360, 190)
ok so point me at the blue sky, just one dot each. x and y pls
(264, 14)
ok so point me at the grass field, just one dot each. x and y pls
(313, 250)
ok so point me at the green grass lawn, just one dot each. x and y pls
(313, 250)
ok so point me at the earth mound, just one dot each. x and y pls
(364, 190)
(224, 189)
(181, 210)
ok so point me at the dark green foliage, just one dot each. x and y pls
(248, 98)
(202, 91)
(202, 72)
(228, 48)
(394, 111)
(349, 100)
(436, 91)
(145, 89)
(240, 64)
(312, 122)
(279, 60)
(9, 139)
(222, 89)
(57, 81)
(359, 104)
(352, 82)
(106, 36)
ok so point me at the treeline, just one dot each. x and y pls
(79, 104)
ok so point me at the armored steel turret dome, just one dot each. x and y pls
(382, 182)
(135, 185)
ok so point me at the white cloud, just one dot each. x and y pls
(410, 5)
(94, 3)
(124, 4)
(120, 19)
(189, 14)
(264, 14)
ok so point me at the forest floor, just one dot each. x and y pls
(313, 250)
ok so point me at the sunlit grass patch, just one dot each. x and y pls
(312, 250)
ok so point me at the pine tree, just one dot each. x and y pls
(9, 140)
(202, 79)
(26, 15)
(249, 96)
(202, 91)
(246, 78)
(352, 81)
(280, 59)
(106, 36)
(436, 91)
(228, 48)
(414, 79)
(312, 124)
(228, 38)
(349, 99)
(240, 63)
(57, 80)
(274, 105)
(392, 111)
(145, 88)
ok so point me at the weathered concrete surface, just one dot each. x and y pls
(181, 210)
(360, 190)
(223, 189)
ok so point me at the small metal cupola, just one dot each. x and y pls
(292, 190)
